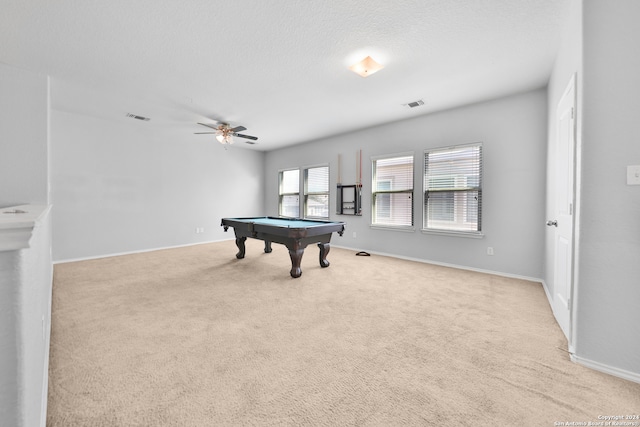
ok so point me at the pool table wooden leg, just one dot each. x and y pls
(267, 247)
(296, 259)
(241, 249)
(324, 250)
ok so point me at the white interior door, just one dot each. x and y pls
(564, 209)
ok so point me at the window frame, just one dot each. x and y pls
(282, 195)
(307, 193)
(375, 193)
(461, 191)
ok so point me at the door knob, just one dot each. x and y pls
(554, 223)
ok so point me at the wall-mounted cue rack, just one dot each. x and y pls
(349, 199)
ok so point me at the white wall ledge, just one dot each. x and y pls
(17, 224)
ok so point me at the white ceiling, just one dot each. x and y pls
(279, 67)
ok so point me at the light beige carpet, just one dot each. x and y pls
(193, 337)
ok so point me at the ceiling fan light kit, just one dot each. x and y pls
(224, 133)
(366, 67)
(225, 139)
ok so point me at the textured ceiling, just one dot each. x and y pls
(279, 67)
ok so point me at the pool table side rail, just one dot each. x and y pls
(285, 223)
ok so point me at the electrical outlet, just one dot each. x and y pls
(489, 250)
(199, 230)
(633, 175)
(354, 234)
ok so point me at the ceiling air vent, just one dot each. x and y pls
(134, 116)
(414, 104)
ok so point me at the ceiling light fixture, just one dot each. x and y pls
(225, 138)
(366, 67)
(224, 134)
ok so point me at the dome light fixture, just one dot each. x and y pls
(366, 67)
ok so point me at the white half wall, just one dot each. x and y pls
(25, 314)
(513, 133)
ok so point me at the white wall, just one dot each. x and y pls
(513, 133)
(122, 186)
(24, 108)
(608, 311)
(25, 324)
(34, 321)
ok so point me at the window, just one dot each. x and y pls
(316, 192)
(453, 189)
(392, 194)
(289, 204)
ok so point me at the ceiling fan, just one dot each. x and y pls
(224, 133)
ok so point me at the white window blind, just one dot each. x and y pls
(289, 204)
(316, 192)
(453, 189)
(392, 194)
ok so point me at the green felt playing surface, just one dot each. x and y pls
(281, 222)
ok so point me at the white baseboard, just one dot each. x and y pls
(444, 264)
(616, 372)
(62, 261)
(425, 261)
(546, 292)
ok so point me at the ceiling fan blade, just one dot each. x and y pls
(238, 129)
(209, 126)
(202, 133)
(239, 135)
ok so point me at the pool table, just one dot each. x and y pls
(295, 234)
